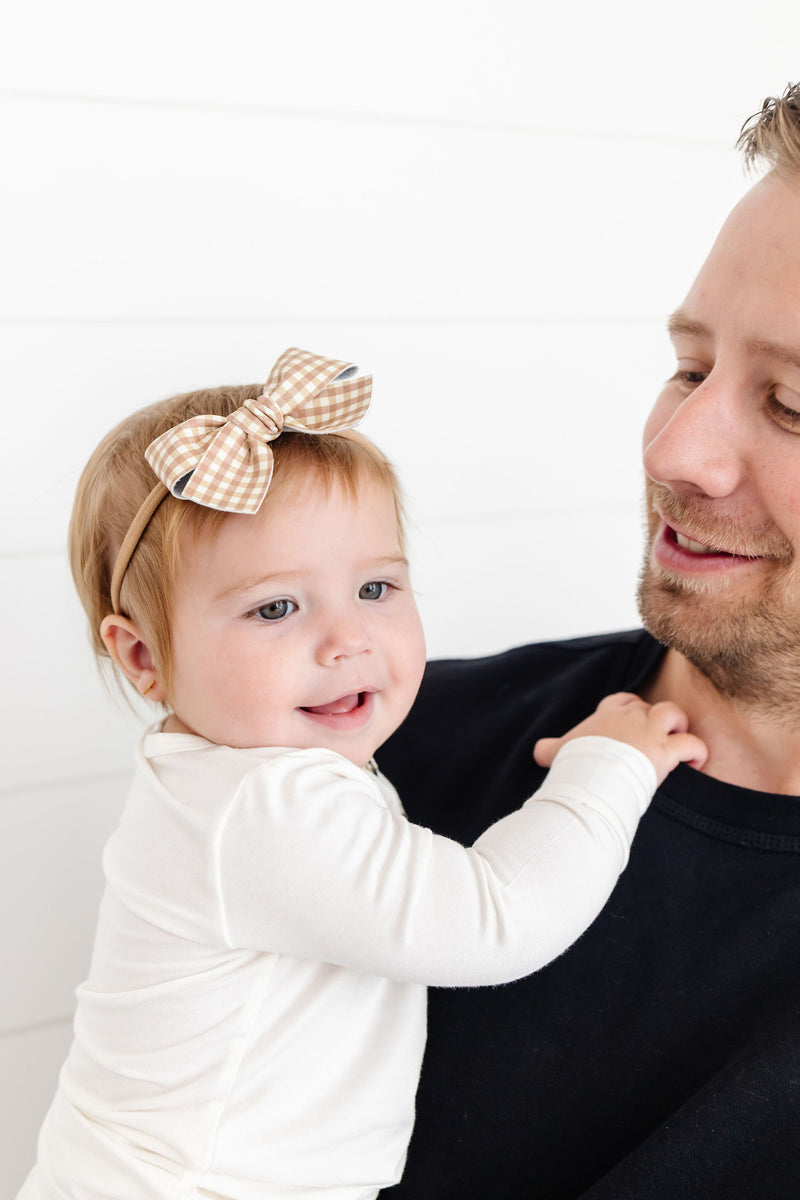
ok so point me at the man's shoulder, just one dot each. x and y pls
(619, 661)
(530, 691)
(473, 726)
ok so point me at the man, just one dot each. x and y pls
(660, 1056)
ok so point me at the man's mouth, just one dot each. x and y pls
(703, 549)
(693, 547)
(680, 553)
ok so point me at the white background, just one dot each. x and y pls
(491, 205)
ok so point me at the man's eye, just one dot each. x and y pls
(373, 590)
(276, 610)
(786, 416)
(689, 379)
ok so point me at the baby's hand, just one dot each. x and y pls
(658, 730)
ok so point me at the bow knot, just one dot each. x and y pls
(261, 419)
(226, 462)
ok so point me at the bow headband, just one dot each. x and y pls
(226, 462)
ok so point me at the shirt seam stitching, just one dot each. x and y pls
(746, 839)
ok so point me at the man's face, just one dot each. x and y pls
(721, 577)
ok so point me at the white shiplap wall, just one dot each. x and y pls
(492, 205)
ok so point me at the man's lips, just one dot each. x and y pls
(349, 712)
(686, 543)
(692, 547)
(678, 552)
(700, 535)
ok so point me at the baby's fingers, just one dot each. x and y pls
(688, 748)
(668, 716)
(546, 749)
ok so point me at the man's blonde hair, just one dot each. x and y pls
(772, 135)
(118, 478)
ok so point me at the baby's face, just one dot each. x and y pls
(298, 627)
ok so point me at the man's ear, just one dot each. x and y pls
(126, 645)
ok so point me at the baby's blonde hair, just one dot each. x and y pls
(118, 478)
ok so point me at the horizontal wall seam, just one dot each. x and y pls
(39, 1027)
(336, 319)
(67, 781)
(446, 124)
(620, 504)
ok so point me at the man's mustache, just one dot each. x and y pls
(705, 520)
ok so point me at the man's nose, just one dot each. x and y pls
(342, 636)
(697, 441)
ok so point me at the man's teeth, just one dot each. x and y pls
(686, 543)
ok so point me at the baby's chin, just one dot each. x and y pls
(346, 732)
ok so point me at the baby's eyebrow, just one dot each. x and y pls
(259, 581)
(397, 560)
(247, 585)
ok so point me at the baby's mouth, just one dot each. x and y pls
(336, 708)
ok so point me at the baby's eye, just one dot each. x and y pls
(276, 610)
(374, 590)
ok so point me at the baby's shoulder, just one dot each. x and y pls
(195, 767)
(311, 772)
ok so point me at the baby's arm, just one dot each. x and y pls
(658, 730)
(318, 870)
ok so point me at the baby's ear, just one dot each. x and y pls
(126, 645)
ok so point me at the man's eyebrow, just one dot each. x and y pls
(775, 350)
(680, 323)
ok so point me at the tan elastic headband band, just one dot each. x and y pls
(132, 539)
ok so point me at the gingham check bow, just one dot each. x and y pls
(226, 462)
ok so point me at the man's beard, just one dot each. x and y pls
(747, 644)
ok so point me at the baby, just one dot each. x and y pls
(254, 1018)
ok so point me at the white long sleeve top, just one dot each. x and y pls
(254, 1019)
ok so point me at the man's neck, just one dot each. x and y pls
(744, 747)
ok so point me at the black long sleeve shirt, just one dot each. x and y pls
(659, 1058)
